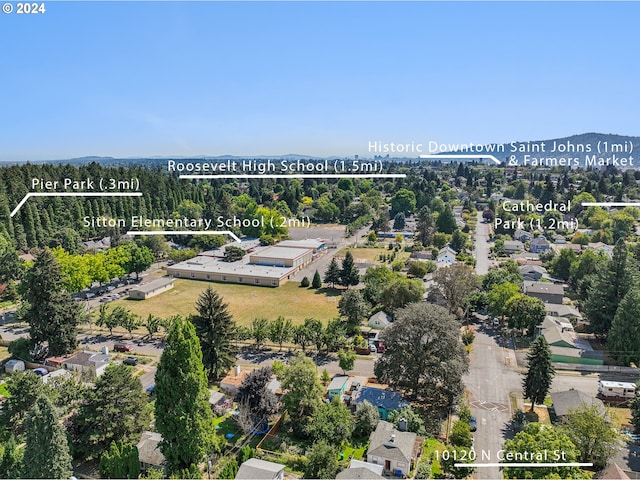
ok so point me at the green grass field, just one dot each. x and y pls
(369, 255)
(246, 302)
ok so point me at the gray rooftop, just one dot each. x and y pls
(280, 253)
(543, 287)
(256, 469)
(388, 443)
(205, 265)
(564, 402)
(154, 285)
(301, 244)
(148, 451)
(338, 382)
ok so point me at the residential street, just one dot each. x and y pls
(482, 246)
(489, 382)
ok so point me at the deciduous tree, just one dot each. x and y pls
(540, 443)
(281, 330)
(455, 283)
(524, 311)
(425, 357)
(593, 434)
(303, 391)
(353, 307)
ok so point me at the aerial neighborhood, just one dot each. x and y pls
(453, 322)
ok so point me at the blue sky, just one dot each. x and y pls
(191, 78)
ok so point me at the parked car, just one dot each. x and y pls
(373, 348)
(40, 371)
(132, 361)
(473, 423)
(122, 347)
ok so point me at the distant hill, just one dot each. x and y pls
(577, 146)
(587, 142)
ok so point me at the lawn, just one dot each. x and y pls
(355, 452)
(370, 255)
(246, 302)
(619, 416)
(228, 425)
(3, 390)
(4, 353)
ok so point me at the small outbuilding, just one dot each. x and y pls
(14, 366)
(148, 290)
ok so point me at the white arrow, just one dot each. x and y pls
(463, 156)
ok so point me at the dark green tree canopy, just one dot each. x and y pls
(52, 315)
(216, 330)
(425, 357)
(46, 448)
(115, 410)
(537, 381)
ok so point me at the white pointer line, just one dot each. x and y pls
(72, 194)
(302, 175)
(462, 156)
(611, 204)
(184, 232)
(506, 464)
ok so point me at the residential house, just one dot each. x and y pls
(545, 291)
(99, 245)
(256, 469)
(396, 451)
(337, 387)
(522, 236)
(607, 249)
(526, 258)
(231, 383)
(380, 320)
(91, 363)
(565, 345)
(568, 312)
(149, 452)
(219, 402)
(539, 245)
(533, 273)
(421, 255)
(384, 400)
(566, 402)
(513, 246)
(359, 470)
(446, 255)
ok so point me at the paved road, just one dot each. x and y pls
(322, 263)
(483, 261)
(489, 382)
(363, 366)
